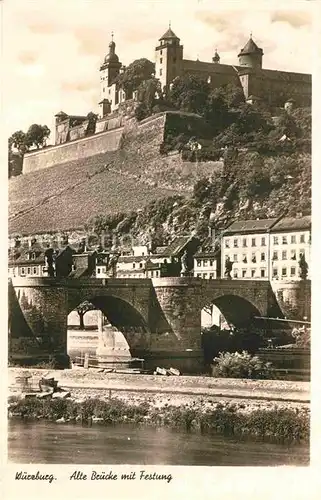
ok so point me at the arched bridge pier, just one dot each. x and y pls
(160, 318)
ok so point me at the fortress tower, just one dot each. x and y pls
(251, 55)
(168, 58)
(108, 72)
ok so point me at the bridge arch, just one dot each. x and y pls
(121, 314)
(237, 310)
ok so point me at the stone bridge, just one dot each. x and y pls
(160, 318)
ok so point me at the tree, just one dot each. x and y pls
(190, 93)
(19, 141)
(81, 310)
(135, 73)
(146, 96)
(37, 135)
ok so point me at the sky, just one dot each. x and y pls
(52, 49)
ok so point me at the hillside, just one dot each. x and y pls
(69, 195)
(265, 172)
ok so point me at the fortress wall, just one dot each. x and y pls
(141, 156)
(82, 148)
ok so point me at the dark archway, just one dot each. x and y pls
(242, 331)
(237, 311)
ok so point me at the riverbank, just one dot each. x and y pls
(265, 409)
(281, 424)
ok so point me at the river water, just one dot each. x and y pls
(49, 442)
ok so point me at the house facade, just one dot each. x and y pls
(267, 249)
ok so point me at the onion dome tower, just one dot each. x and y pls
(216, 58)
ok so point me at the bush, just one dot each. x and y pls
(241, 365)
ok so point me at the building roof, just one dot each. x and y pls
(292, 224)
(208, 254)
(176, 247)
(169, 35)
(131, 258)
(250, 48)
(250, 226)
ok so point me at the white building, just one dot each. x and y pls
(266, 248)
(206, 265)
(290, 239)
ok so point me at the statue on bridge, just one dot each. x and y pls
(228, 268)
(112, 264)
(186, 266)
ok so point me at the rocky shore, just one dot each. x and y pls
(264, 409)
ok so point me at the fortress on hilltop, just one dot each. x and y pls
(273, 87)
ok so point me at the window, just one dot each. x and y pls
(198, 275)
(205, 276)
(161, 52)
(133, 265)
(34, 270)
(274, 272)
(29, 270)
(140, 264)
(302, 238)
(275, 240)
(275, 255)
(253, 259)
(293, 239)
(22, 270)
(44, 269)
(244, 258)
(227, 243)
(98, 270)
(235, 273)
(205, 263)
(235, 257)
(211, 276)
(262, 273)
(263, 242)
(292, 271)
(244, 243)
(161, 60)
(293, 254)
(284, 271)
(252, 273)
(284, 240)
(284, 255)
(211, 262)
(263, 257)
(33, 256)
(160, 72)
(156, 274)
(199, 262)
(235, 243)
(243, 273)
(253, 242)
(152, 274)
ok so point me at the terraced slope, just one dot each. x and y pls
(67, 196)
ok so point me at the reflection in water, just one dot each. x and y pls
(48, 442)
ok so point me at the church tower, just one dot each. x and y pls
(109, 69)
(251, 55)
(168, 58)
